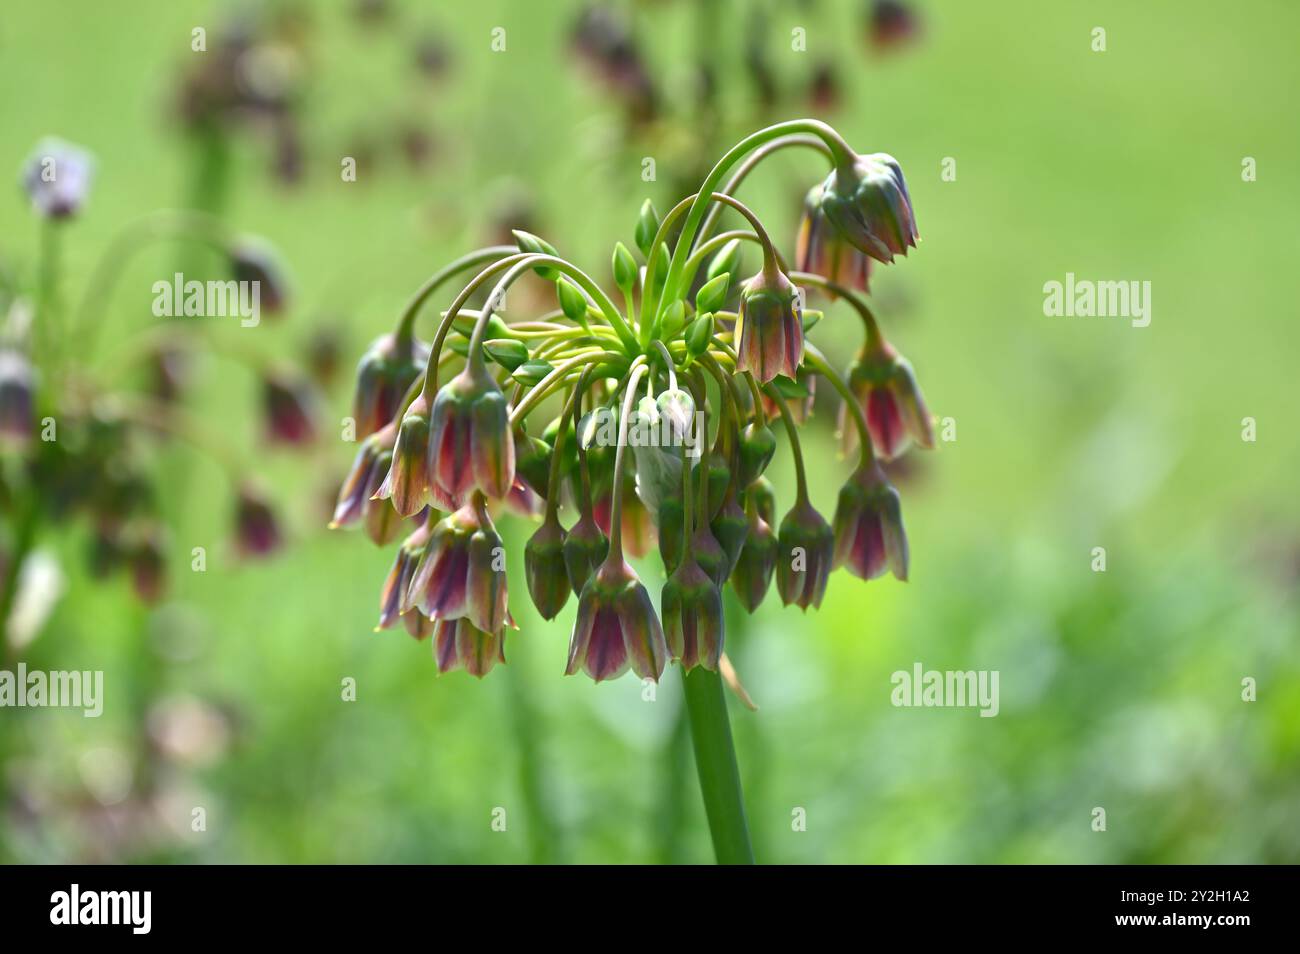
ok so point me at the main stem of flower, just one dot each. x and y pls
(715, 761)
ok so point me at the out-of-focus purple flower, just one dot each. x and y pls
(257, 532)
(57, 177)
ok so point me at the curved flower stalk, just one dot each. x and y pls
(661, 414)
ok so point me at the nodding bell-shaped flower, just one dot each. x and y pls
(805, 553)
(253, 261)
(146, 556)
(693, 621)
(823, 250)
(386, 371)
(868, 204)
(17, 387)
(548, 579)
(459, 644)
(462, 571)
(729, 527)
(290, 409)
(417, 624)
(56, 178)
(753, 571)
(616, 628)
(770, 327)
(392, 598)
(407, 482)
(471, 445)
(887, 392)
(369, 468)
(257, 532)
(869, 535)
(755, 448)
(585, 549)
(639, 533)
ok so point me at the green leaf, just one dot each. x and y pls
(528, 242)
(810, 317)
(647, 227)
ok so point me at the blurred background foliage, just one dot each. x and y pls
(1119, 689)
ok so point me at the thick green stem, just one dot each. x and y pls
(715, 761)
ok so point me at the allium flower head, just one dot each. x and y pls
(56, 178)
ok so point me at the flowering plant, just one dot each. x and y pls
(692, 386)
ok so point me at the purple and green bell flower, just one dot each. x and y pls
(462, 570)
(770, 327)
(885, 387)
(869, 536)
(471, 446)
(386, 371)
(616, 628)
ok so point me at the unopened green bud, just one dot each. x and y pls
(647, 227)
(713, 295)
(625, 269)
(510, 353)
(528, 242)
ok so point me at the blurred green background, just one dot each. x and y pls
(1119, 689)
